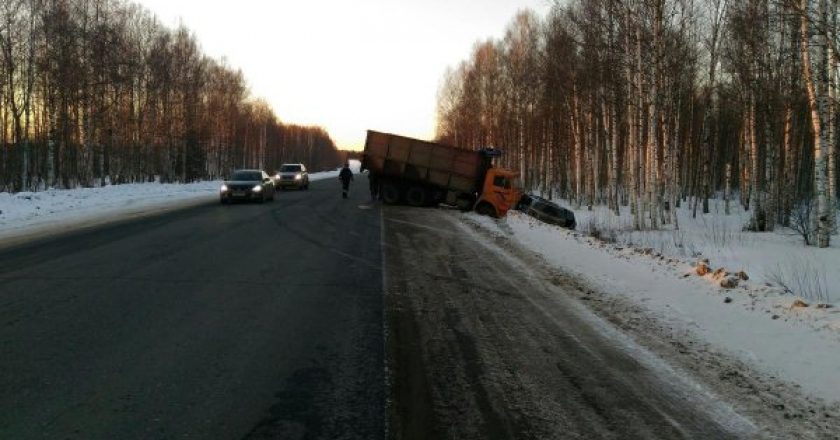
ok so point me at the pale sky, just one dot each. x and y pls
(349, 65)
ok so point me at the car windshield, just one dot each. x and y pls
(290, 168)
(246, 175)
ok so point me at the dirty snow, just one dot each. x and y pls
(755, 321)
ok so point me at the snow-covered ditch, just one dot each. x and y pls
(758, 321)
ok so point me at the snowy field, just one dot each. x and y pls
(779, 258)
(28, 215)
(758, 321)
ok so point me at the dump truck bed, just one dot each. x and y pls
(408, 159)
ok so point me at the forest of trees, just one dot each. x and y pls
(96, 91)
(644, 105)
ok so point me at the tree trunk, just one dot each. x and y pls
(675, 169)
(758, 220)
(831, 85)
(630, 120)
(654, 137)
(818, 110)
(728, 189)
(789, 188)
(638, 221)
(614, 146)
(577, 141)
(746, 181)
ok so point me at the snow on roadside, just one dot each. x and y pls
(756, 323)
(776, 258)
(27, 214)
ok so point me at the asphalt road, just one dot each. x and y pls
(481, 345)
(243, 321)
(276, 321)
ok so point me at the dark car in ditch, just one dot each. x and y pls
(247, 185)
(547, 211)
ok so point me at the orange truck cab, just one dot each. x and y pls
(499, 193)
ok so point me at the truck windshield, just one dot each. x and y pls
(502, 182)
(290, 168)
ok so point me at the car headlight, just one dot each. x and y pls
(257, 188)
(298, 176)
(277, 177)
(224, 188)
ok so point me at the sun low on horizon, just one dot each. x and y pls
(345, 66)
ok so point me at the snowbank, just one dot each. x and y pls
(779, 258)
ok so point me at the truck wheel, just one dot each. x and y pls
(485, 208)
(390, 193)
(464, 204)
(416, 196)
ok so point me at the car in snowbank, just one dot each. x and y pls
(247, 185)
(292, 175)
(546, 211)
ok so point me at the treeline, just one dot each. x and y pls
(648, 104)
(96, 91)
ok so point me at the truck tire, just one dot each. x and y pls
(464, 203)
(417, 196)
(485, 208)
(391, 193)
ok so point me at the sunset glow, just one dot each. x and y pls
(345, 65)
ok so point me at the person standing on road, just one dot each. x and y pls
(374, 187)
(345, 176)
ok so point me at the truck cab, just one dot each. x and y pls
(499, 193)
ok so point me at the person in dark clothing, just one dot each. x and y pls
(374, 187)
(345, 176)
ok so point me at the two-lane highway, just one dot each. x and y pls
(257, 321)
(243, 321)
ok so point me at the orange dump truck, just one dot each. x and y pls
(421, 173)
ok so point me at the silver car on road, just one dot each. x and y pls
(292, 175)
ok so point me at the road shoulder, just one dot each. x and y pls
(501, 351)
(779, 408)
